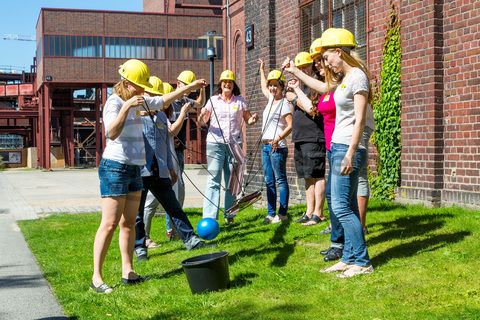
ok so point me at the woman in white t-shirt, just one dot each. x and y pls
(276, 126)
(352, 97)
(348, 149)
(119, 170)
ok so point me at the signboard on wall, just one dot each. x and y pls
(13, 157)
(249, 36)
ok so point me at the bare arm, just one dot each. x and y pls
(250, 118)
(116, 127)
(263, 80)
(201, 97)
(285, 132)
(180, 92)
(310, 82)
(360, 102)
(177, 125)
(303, 102)
(204, 116)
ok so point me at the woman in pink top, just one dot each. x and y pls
(226, 111)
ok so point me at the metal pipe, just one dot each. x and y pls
(229, 39)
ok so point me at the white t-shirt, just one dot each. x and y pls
(128, 147)
(354, 83)
(273, 122)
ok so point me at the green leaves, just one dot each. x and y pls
(387, 109)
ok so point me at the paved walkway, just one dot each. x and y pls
(29, 194)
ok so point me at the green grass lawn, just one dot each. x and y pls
(427, 266)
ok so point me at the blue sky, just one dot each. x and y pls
(20, 17)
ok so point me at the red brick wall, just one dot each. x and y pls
(461, 102)
(122, 24)
(440, 88)
(276, 25)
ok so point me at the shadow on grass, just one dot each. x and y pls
(385, 206)
(243, 311)
(415, 247)
(283, 252)
(242, 280)
(168, 274)
(59, 318)
(407, 227)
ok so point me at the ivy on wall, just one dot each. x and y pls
(387, 107)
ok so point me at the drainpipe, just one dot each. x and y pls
(229, 40)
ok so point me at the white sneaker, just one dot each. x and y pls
(355, 271)
(151, 244)
(278, 218)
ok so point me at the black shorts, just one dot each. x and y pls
(310, 160)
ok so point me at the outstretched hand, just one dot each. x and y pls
(261, 63)
(293, 83)
(288, 65)
(253, 119)
(199, 83)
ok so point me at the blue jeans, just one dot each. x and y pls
(179, 187)
(345, 207)
(336, 236)
(275, 172)
(161, 188)
(218, 158)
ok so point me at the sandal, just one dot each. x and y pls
(103, 288)
(136, 280)
(313, 221)
(303, 219)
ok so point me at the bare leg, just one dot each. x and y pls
(319, 198)
(127, 233)
(112, 209)
(310, 194)
(362, 209)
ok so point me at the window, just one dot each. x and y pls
(189, 49)
(73, 46)
(318, 15)
(138, 48)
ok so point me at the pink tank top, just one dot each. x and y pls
(326, 106)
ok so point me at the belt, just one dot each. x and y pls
(266, 141)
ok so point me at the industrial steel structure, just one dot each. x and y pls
(57, 107)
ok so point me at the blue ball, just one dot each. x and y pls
(208, 228)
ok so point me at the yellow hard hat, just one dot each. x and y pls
(187, 76)
(315, 47)
(167, 88)
(227, 75)
(303, 59)
(157, 85)
(136, 72)
(275, 75)
(337, 37)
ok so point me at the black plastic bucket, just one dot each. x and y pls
(207, 272)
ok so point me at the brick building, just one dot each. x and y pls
(78, 54)
(440, 162)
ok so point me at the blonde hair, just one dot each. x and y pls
(353, 59)
(121, 89)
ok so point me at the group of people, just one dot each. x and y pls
(140, 157)
(326, 107)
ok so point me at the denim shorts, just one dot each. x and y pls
(118, 179)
